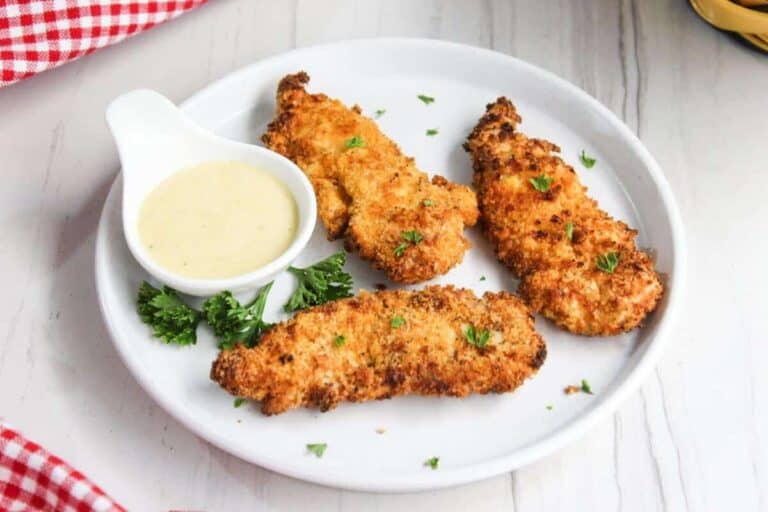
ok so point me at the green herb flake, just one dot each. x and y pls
(411, 237)
(339, 340)
(585, 387)
(379, 113)
(397, 321)
(608, 262)
(432, 132)
(320, 283)
(234, 323)
(432, 462)
(587, 160)
(355, 142)
(569, 230)
(428, 203)
(476, 337)
(239, 401)
(549, 407)
(482, 278)
(426, 99)
(171, 320)
(317, 448)
(541, 183)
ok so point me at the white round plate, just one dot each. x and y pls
(475, 437)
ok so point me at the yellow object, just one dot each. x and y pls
(217, 220)
(750, 24)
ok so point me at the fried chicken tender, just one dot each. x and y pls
(384, 344)
(559, 274)
(367, 191)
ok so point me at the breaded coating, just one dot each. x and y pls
(367, 191)
(384, 344)
(530, 230)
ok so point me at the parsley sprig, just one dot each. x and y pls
(320, 283)
(411, 237)
(171, 320)
(476, 337)
(233, 322)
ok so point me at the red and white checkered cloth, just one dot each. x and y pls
(33, 479)
(36, 35)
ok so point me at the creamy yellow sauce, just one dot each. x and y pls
(217, 219)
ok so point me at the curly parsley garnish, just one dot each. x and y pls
(426, 99)
(476, 337)
(569, 230)
(608, 262)
(355, 142)
(233, 322)
(171, 320)
(432, 462)
(587, 160)
(317, 448)
(411, 237)
(397, 321)
(320, 283)
(541, 183)
(432, 132)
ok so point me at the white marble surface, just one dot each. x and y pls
(695, 437)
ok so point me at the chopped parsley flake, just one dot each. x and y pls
(428, 203)
(587, 160)
(585, 387)
(608, 262)
(432, 132)
(317, 448)
(432, 462)
(482, 278)
(355, 142)
(379, 113)
(411, 237)
(339, 340)
(426, 99)
(397, 321)
(549, 407)
(569, 230)
(476, 337)
(541, 183)
(239, 401)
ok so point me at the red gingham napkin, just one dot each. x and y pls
(33, 479)
(36, 35)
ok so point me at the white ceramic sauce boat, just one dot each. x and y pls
(154, 140)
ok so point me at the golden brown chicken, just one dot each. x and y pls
(577, 265)
(369, 192)
(437, 341)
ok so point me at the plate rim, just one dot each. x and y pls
(471, 472)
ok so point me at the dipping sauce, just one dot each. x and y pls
(217, 219)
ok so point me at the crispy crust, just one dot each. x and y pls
(370, 195)
(559, 277)
(298, 364)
